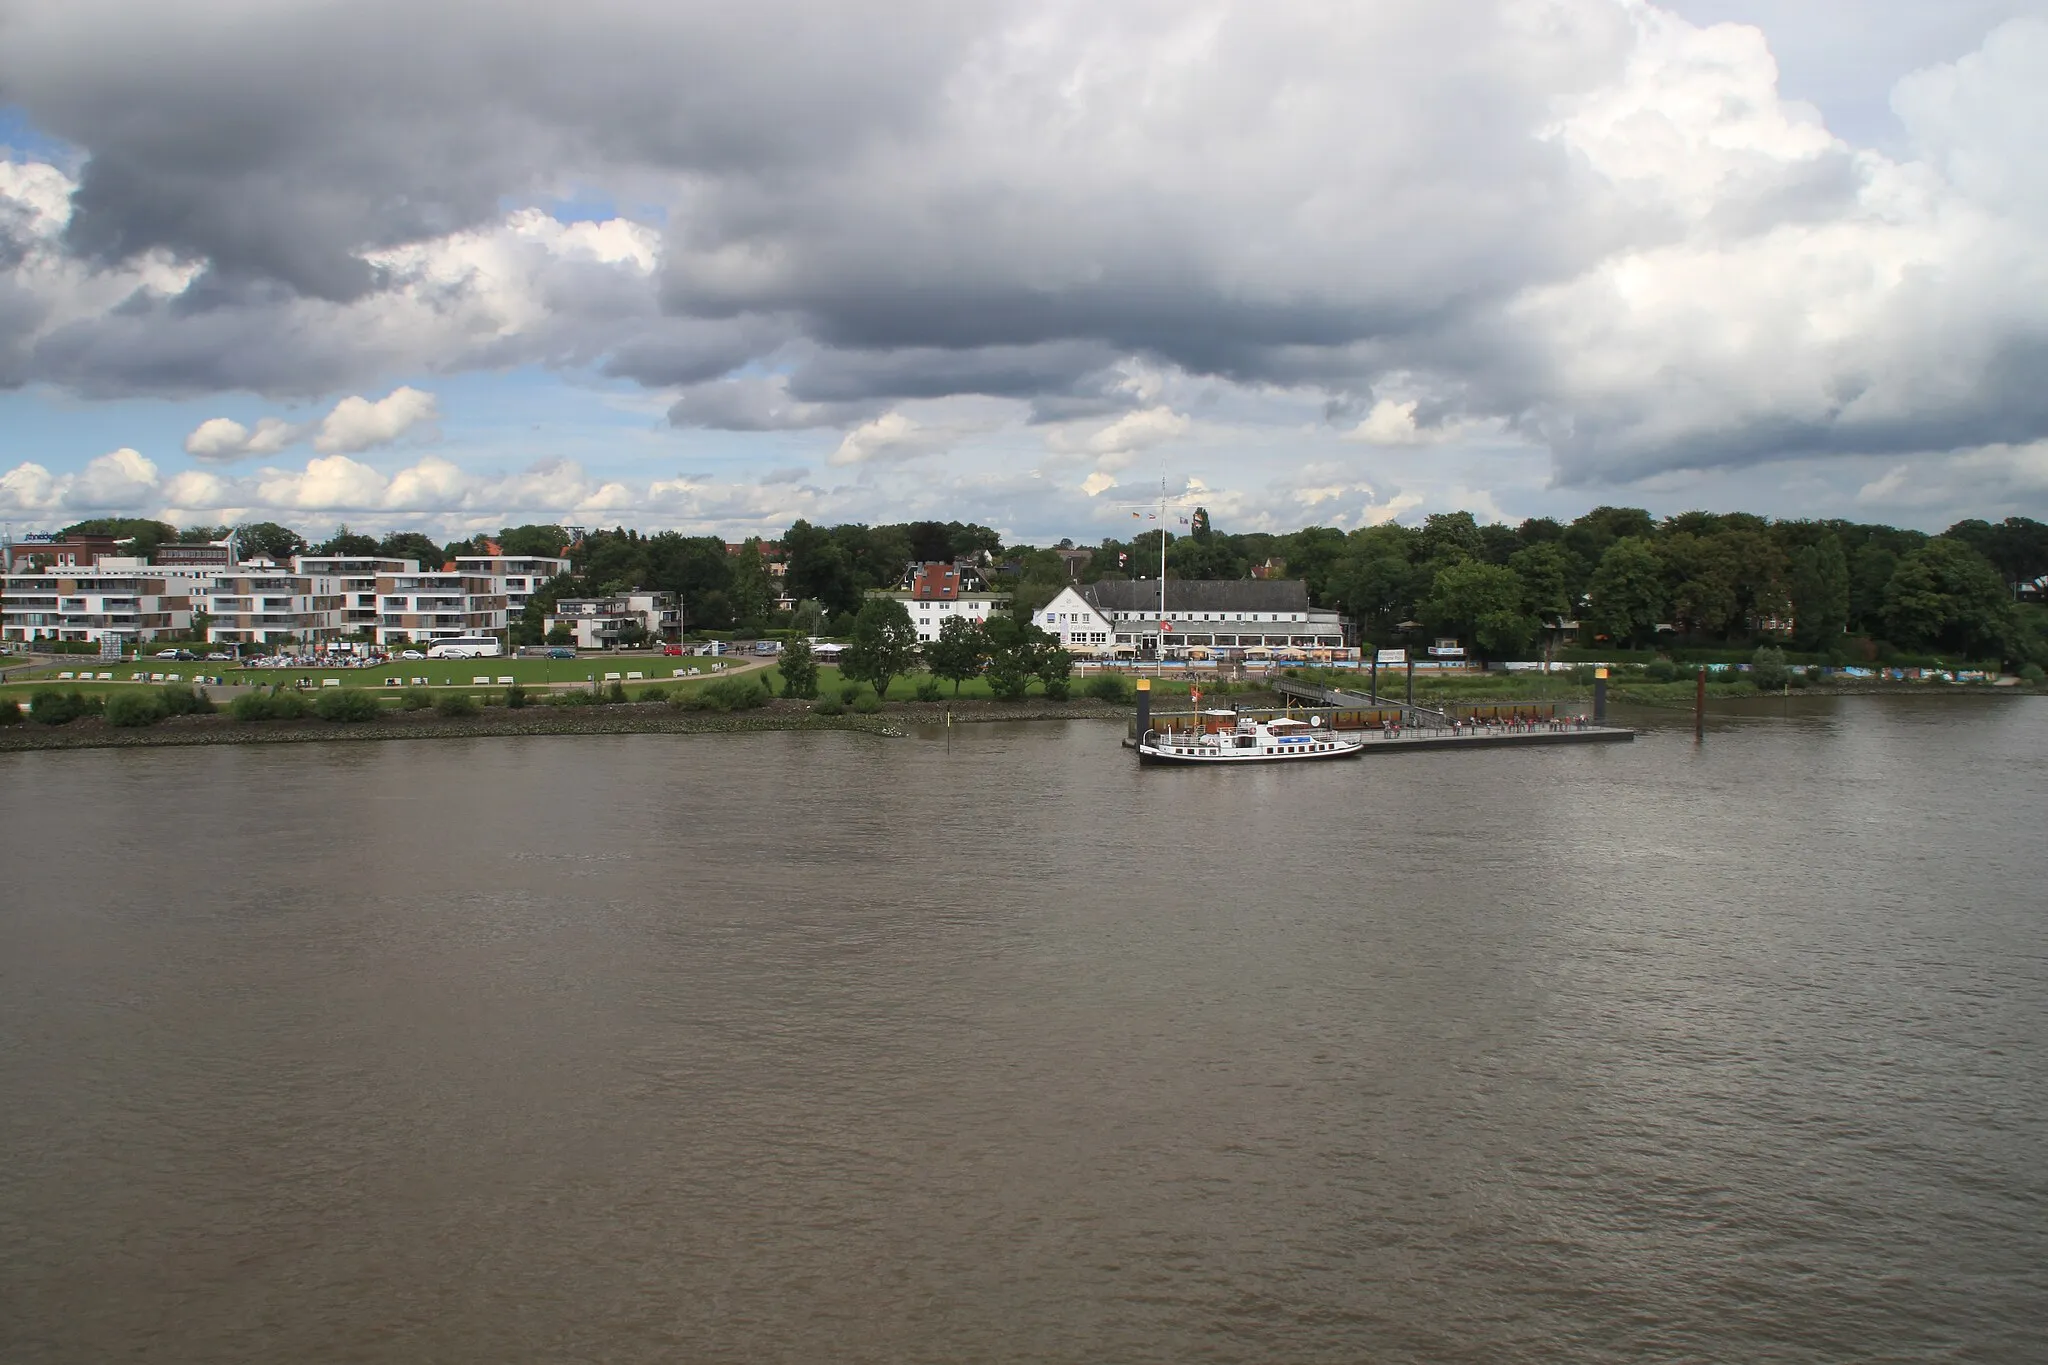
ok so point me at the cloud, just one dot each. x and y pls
(1589, 224)
(758, 403)
(1391, 424)
(892, 436)
(223, 438)
(1115, 445)
(359, 424)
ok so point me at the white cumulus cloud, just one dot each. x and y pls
(358, 424)
(223, 438)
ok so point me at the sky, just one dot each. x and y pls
(711, 267)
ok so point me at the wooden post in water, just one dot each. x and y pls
(1599, 696)
(1411, 678)
(1699, 708)
(1144, 708)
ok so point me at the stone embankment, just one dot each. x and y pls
(625, 718)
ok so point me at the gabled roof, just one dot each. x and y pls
(1228, 595)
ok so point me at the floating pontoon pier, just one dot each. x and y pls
(1392, 727)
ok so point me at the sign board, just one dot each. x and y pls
(110, 645)
(1392, 656)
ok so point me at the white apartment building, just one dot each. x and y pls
(596, 621)
(127, 597)
(262, 603)
(1119, 616)
(518, 577)
(356, 579)
(414, 607)
(937, 593)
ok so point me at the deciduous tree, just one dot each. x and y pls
(959, 653)
(799, 669)
(1627, 591)
(884, 644)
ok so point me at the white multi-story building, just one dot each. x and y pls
(596, 622)
(356, 580)
(1123, 616)
(126, 597)
(414, 606)
(936, 593)
(258, 602)
(518, 577)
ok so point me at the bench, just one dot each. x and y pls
(505, 682)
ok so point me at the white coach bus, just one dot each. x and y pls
(466, 647)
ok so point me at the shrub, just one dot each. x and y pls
(734, 694)
(1767, 669)
(515, 696)
(848, 693)
(416, 699)
(651, 694)
(1660, 670)
(577, 698)
(1008, 684)
(51, 707)
(1057, 689)
(456, 704)
(1107, 687)
(180, 700)
(616, 692)
(827, 707)
(928, 689)
(347, 705)
(10, 712)
(272, 705)
(133, 709)
(2032, 673)
(867, 706)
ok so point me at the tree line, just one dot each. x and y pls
(1628, 579)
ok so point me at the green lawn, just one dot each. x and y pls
(437, 672)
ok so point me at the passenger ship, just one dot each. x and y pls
(1225, 737)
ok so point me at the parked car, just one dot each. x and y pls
(673, 650)
(561, 652)
(216, 657)
(411, 654)
(167, 654)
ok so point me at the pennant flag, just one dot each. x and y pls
(1134, 514)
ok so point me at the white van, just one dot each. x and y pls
(467, 647)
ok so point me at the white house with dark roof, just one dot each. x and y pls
(1122, 616)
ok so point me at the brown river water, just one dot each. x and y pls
(990, 1046)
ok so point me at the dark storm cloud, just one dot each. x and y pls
(280, 141)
